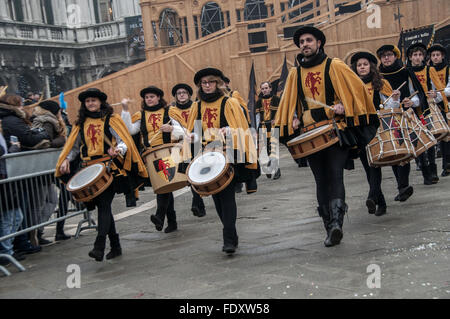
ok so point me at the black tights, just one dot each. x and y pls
(328, 169)
(106, 224)
(373, 176)
(165, 207)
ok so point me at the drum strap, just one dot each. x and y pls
(428, 79)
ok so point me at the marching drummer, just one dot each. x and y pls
(101, 136)
(439, 60)
(393, 70)
(158, 128)
(429, 80)
(180, 112)
(329, 90)
(364, 64)
(222, 115)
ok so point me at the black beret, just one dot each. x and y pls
(152, 89)
(416, 45)
(181, 86)
(92, 92)
(311, 30)
(206, 72)
(364, 55)
(389, 47)
(437, 47)
(50, 105)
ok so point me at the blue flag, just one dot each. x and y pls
(62, 103)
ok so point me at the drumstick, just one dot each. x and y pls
(319, 103)
(151, 140)
(119, 103)
(108, 141)
(3, 91)
(411, 96)
(384, 103)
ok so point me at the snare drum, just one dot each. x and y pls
(209, 173)
(89, 182)
(420, 137)
(313, 141)
(162, 165)
(435, 122)
(391, 145)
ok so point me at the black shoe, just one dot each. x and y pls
(116, 250)
(157, 221)
(238, 188)
(44, 242)
(130, 200)
(405, 193)
(170, 228)
(371, 206)
(269, 175)
(434, 175)
(4, 261)
(197, 211)
(99, 248)
(229, 249)
(30, 249)
(445, 173)
(277, 174)
(381, 210)
(62, 236)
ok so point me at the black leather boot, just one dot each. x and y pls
(382, 207)
(230, 241)
(172, 226)
(116, 250)
(434, 175)
(324, 212)
(277, 174)
(60, 231)
(130, 199)
(158, 221)
(371, 205)
(337, 212)
(99, 248)
(426, 173)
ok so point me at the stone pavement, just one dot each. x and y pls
(281, 252)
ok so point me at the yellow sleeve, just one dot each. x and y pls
(386, 90)
(192, 117)
(287, 107)
(351, 92)
(67, 148)
(439, 86)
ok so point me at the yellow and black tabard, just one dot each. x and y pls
(428, 75)
(223, 112)
(94, 147)
(327, 81)
(267, 108)
(386, 90)
(180, 112)
(152, 118)
(443, 73)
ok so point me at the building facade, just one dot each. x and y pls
(52, 46)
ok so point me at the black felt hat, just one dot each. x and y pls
(226, 79)
(206, 72)
(92, 92)
(437, 47)
(416, 45)
(181, 86)
(51, 106)
(389, 47)
(152, 89)
(364, 55)
(311, 30)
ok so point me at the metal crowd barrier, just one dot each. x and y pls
(29, 197)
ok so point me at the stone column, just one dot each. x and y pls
(59, 12)
(4, 12)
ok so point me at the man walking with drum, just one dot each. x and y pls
(439, 60)
(393, 70)
(326, 92)
(219, 116)
(99, 136)
(429, 80)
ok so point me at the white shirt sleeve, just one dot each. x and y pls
(438, 97)
(415, 99)
(75, 151)
(258, 119)
(178, 131)
(120, 144)
(133, 128)
(447, 88)
(391, 104)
